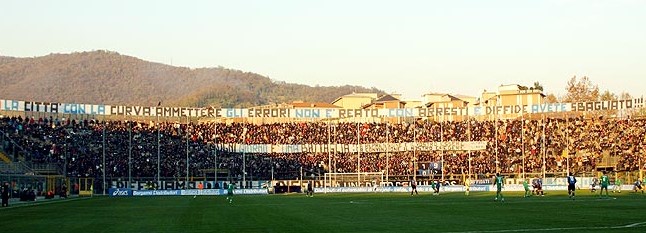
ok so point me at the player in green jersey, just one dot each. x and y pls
(498, 182)
(618, 184)
(605, 181)
(528, 192)
(230, 192)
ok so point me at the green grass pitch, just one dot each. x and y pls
(360, 212)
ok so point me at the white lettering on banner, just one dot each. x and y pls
(430, 112)
(606, 105)
(83, 109)
(268, 113)
(400, 189)
(250, 191)
(307, 113)
(11, 105)
(40, 107)
(120, 193)
(547, 108)
(354, 148)
(318, 113)
(201, 192)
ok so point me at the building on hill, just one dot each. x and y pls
(472, 101)
(432, 97)
(355, 100)
(509, 95)
(412, 103)
(408, 103)
(385, 101)
(442, 106)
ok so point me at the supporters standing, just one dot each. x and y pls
(82, 140)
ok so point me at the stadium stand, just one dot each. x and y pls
(75, 147)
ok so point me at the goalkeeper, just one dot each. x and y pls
(604, 184)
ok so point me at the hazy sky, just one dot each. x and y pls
(408, 47)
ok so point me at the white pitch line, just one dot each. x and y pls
(36, 203)
(554, 229)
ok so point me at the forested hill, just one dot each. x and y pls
(110, 78)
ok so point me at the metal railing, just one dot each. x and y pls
(16, 166)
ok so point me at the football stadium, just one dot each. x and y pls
(374, 169)
(370, 116)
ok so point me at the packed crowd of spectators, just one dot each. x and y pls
(77, 145)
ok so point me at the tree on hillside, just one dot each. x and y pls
(625, 96)
(537, 86)
(551, 98)
(581, 90)
(608, 96)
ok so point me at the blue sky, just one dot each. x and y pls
(408, 47)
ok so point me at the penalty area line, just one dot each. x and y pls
(556, 229)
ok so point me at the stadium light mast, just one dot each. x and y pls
(158, 143)
(65, 165)
(387, 151)
(469, 159)
(442, 144)
(129, 154)
(187, 136)
(414, 150)
(522, 141)
(215, 152)
(567, 146)
(544, 149)
(641, 177)
(495, 117)
(358, 156)
(244, 159)
(329, 153)
(104, 184)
